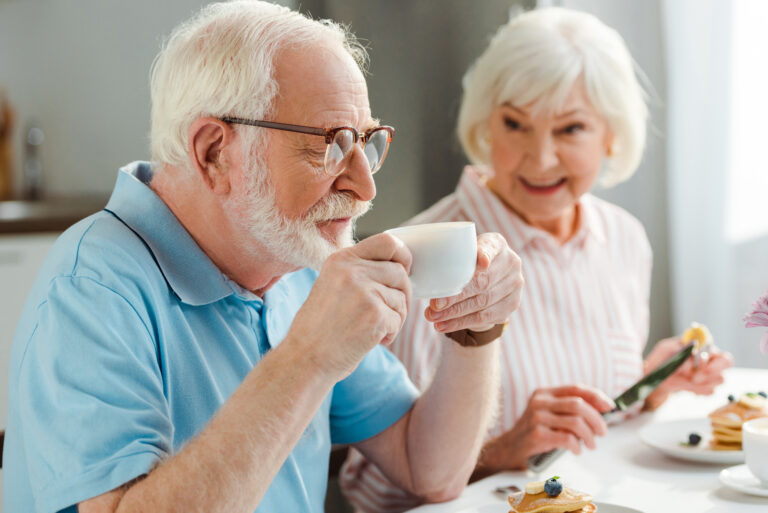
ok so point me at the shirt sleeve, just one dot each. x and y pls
(92, 408)
(370, 399)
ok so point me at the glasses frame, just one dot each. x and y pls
(327, 133)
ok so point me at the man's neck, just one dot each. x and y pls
(236, 254)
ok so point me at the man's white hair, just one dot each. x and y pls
(221, 63)
(535, 59)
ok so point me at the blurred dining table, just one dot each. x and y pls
(624, 471)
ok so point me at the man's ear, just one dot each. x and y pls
(208, 139)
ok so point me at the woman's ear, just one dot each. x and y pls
(208, 139)
(610, 138)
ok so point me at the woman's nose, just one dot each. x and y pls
(543, 152)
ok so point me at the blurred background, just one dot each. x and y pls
(74, 106)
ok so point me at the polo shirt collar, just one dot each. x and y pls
(492, 215)
(189, 272)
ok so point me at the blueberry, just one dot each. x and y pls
(761, 393)
(694, 439)
(553, 487)
(731, 398)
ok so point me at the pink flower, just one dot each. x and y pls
(759, 317)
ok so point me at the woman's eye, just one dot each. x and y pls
(573, 128)
(511, 124)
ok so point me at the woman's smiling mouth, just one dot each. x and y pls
(543, 187)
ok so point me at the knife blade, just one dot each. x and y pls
(637, 392)
(643, 388)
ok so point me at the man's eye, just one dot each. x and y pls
(315, 154)
(573, 128)
(511, 124)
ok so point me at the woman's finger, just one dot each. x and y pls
(573, 424)
(544, 439)
(472, 304)
(578, 407)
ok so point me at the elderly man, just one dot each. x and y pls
(178, 352)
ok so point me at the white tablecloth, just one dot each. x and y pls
(624, 471)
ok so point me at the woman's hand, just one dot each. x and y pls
(700, 379)
(566, 417)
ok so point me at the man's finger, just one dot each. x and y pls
(390, 274)
(395, 300)
(384, 246)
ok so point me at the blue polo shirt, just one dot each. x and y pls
(130, 341)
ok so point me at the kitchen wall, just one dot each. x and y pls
(79, 69)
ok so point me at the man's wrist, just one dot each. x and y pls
(470, 338)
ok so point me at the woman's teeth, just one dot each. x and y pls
(545, 184)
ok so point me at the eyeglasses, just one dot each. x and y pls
(340, 142)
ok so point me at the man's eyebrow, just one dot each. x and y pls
(372, 123)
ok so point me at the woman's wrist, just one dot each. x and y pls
(655, 400)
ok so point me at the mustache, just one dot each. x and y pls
(335, 206)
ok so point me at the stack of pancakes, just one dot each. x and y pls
(727, 420)
(569, 501)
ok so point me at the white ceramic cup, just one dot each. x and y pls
(444, 257)
(755, 444)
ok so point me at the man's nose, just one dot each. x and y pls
(543, 152)
(356, 177)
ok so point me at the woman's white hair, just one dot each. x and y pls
(535, 59)
(221, 63)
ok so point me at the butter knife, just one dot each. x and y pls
(637, 392)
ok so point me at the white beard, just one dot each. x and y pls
(296, 242)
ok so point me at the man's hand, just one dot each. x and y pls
(360, 299)
(493, 293)
(562, 417)
(700, 379)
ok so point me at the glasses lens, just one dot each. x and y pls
(376, 149)
(343, 142)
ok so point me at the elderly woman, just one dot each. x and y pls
(552, 106)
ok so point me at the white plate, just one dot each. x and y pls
(666, 437)
(741, 479)
(503, 507)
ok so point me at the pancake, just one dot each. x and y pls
(726, 434)
(722, 446)
(569, 501)
(727, 430)
(727, 420)
(727, 439)
(736, 413)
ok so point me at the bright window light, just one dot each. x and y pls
(747, 216)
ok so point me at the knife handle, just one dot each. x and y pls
(539, 462)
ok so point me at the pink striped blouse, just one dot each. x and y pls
(583, 317)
